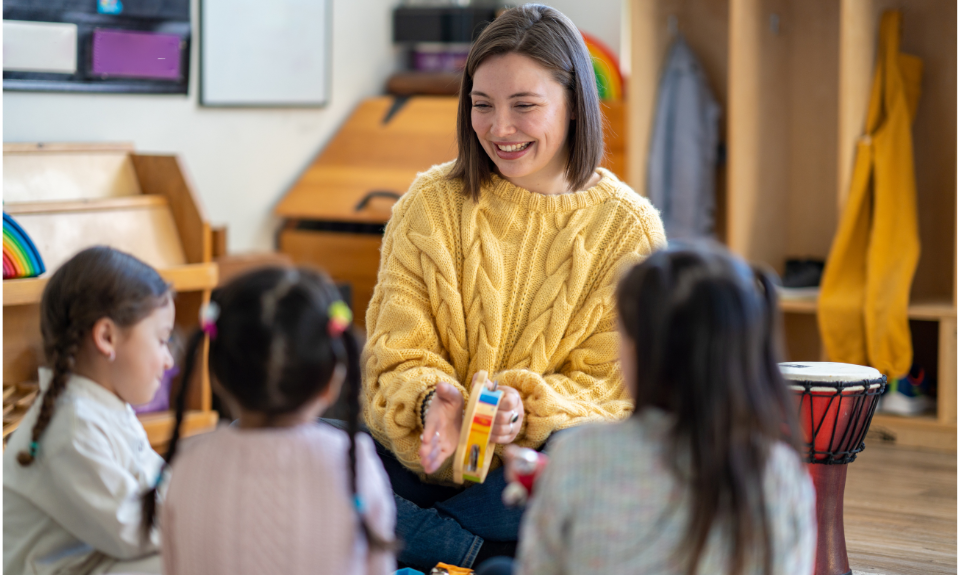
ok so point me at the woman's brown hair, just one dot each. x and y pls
(705, 330)
(96, 283)
(550, 39)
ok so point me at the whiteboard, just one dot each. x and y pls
(255, 53)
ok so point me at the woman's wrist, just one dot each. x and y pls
(425, 406)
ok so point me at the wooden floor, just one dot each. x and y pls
(900, 511)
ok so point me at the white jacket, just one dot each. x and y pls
(76, 509)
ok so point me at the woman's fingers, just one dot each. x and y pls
(506, 424)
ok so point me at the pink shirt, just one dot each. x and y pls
(274, 501)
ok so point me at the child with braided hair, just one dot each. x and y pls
(75, 467)
(278, 491)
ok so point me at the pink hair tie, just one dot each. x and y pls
(340, 318)
(209, 314)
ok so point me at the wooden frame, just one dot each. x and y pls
(794, 77)
(142, 204)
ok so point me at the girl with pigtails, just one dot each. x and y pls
(278, 492)
(76, 466)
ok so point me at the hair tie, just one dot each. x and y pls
(340, 318)
(159, 481)
(359, 504)
(209, 313)
(34, 446)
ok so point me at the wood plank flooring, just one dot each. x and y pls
(900, 511)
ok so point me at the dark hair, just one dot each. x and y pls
(706, 331)
(549, 38)
(99, 282)
(273, 352)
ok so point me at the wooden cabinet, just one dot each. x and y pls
(70, 197)
(335, 213)
(794, 79)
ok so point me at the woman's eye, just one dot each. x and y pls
(480, 105)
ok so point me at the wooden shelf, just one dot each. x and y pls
(932, 310)
(917, 431)
(159, 426)
(189, 277)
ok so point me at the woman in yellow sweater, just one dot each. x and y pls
(504, 260)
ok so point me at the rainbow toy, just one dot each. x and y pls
(474, 453)
(606, 68)
(20, 257)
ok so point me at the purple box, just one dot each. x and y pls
(161, 399)
(126, 54)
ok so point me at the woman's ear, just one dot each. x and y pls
(105, 334)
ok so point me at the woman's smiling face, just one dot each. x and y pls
(521, 116)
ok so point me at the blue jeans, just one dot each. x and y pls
(441, 523)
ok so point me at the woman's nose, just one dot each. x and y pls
(502, 124)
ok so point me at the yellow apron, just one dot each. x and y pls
(865, 290)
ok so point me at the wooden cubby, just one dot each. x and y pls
(68, 197)
(793, 77)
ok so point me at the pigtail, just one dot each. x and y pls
(149, 500)
(64, 354)
(352, 391)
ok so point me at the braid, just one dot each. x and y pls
(149, 500)
(64, 354)
(374, 541)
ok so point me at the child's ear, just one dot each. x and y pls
(105, 334)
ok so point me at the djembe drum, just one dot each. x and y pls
(836, 402)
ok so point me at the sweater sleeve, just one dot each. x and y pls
(588, 388)
(412, 331)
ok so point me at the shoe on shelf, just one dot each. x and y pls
(910, 395)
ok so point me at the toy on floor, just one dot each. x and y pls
(526, 466)
(444, 569)
(20, 257)
(474, 452)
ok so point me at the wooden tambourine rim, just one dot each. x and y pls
(468, 414)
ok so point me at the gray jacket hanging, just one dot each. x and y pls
(683, 150)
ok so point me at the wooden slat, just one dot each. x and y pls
(922, 310)
(57, 173)
(166, 175)
(350, 258)
(159, 426)
(947, 371)
(189, 277)
(87, 205)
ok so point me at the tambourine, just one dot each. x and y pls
(474, 453)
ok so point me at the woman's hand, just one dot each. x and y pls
(441, 430)
(509, 418)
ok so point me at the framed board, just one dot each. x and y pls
(134, 46)
(268, 54)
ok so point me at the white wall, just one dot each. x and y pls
(599, 18)
(241, 161)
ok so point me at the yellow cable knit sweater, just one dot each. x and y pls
(519, 284)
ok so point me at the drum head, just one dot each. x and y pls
(821, 371)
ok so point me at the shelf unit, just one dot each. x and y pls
(71, 196)
(794, 77)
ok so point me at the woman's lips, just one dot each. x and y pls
(513, 154)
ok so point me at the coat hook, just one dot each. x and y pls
(672, 25)
(775, 24)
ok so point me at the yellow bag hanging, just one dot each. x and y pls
(865, 290)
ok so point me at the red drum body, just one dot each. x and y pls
(835, 403)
